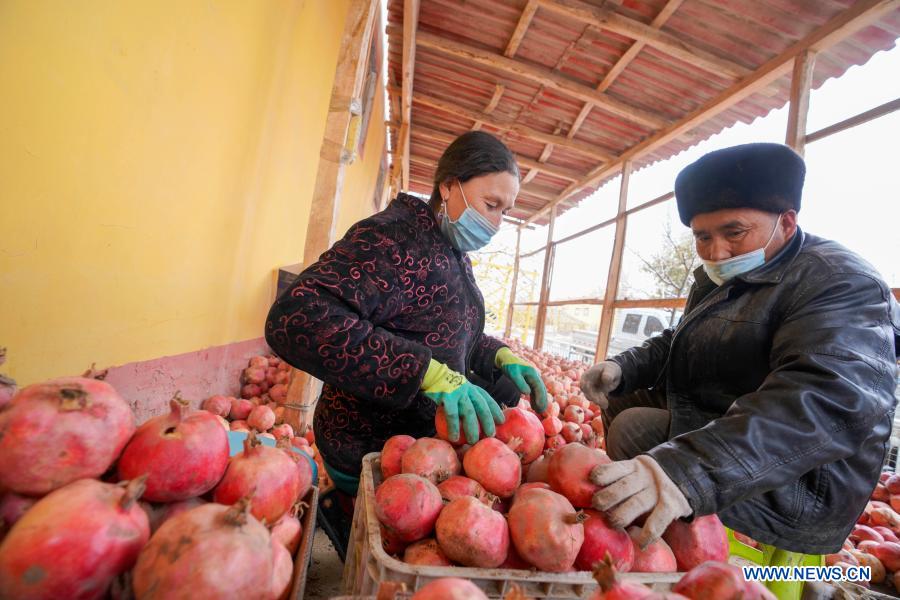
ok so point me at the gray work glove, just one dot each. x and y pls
(600, 380)
(634, 487)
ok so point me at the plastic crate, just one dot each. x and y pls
(304, 550)
(367, 563)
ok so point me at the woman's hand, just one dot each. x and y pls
(462, 401)
(526, 377)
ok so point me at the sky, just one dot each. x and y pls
(851, 195)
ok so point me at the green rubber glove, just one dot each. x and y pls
(525, 375)
(462, 401)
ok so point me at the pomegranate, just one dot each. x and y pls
(745, 539)
(611, 588)
(495, 466)
(299, 442)
(472, 534)
(892, 483)
(459, 486)
(450, 588)
(391, 542)
(283, 431)
(443, 431)
(863, 532)
(74, 541)
(555, 443)
(278, 393)
(869, 560)
(655, 558)
(261, 418)
(571, 433)
(881, 493)
(600, 540)
(887, 534)
(719, 580)
(304, 469)
(408, 506)
(552, 425)
(254, 374)
(843, 556)
(240, 409)
(525, 426)
(268, 474)
(569, 470)
(217, 405)
(426, 552)
(574, 414)
(56, 432)
(239, 425)
(432, 459)
(167, 511)
(183, 453)
(537, 471)
(282, 570)
(546, 530)
(696, 542)
(529, 486)
(887, 552)
(392, 453)
(191, 556)
(288, 530)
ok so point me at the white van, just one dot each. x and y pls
(634, 325)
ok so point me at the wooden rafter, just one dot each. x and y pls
(410, 26)
(858, 16)
(541, 76)
(672, 45)
(505, 125)
(521, 28)
(495, 100)
(801, 81)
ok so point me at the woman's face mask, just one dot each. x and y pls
(470, 231)
(721, 271)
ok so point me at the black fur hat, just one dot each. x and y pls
(766, 177)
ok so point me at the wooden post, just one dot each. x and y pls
(512, 289)
(408, 61)
(334, 155)
(801, 79)
(615, 268)
(545, 284)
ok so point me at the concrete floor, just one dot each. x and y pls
(323, 580)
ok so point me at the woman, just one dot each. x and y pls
(391, 319)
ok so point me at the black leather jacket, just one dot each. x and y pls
(780, 389)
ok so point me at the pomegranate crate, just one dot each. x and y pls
(368, 564)
(304, 550)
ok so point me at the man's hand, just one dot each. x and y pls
(525, 375)
(634, 487)
(462, 401)
(600, 380)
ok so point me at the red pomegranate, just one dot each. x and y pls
(12, 507)
(56, 432)
(267, 474)
(703, 539)
(408, 506)
(459, 486)
(450, 588)
(167, 511)
(288, 530)
(612, 588)
(304, 470)
(473, 534)
(602, 540)
(569, 469)
(495, 465)
(426, 552)
(74, 541)
(217, 405)
(183, 453)
(192, 554)
(392, 454)
(261, 418)
(655, 558)
(433, 459)
(526, 427)
(537, 471)
(282, 570)
(546, 530)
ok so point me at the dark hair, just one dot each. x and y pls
(472, 154)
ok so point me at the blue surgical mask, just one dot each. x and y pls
(721, 271)
(470, 231)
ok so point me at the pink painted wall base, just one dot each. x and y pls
(149, 385)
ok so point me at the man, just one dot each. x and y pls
(770, 403)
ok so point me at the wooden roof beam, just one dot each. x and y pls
(491, 105)
(410, 26)
(505, 125)
(521, 27)
(541, 76)
(860, 15)
(535, 191)
(605, 18)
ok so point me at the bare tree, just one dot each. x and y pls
(672, 266)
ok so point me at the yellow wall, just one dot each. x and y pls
(157, 161)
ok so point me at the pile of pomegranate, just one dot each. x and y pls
(875, 539)
(261, 406)
(93, 506)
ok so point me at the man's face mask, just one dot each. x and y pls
(470, 231)
(721, 271)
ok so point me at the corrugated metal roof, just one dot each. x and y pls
(742, 34)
